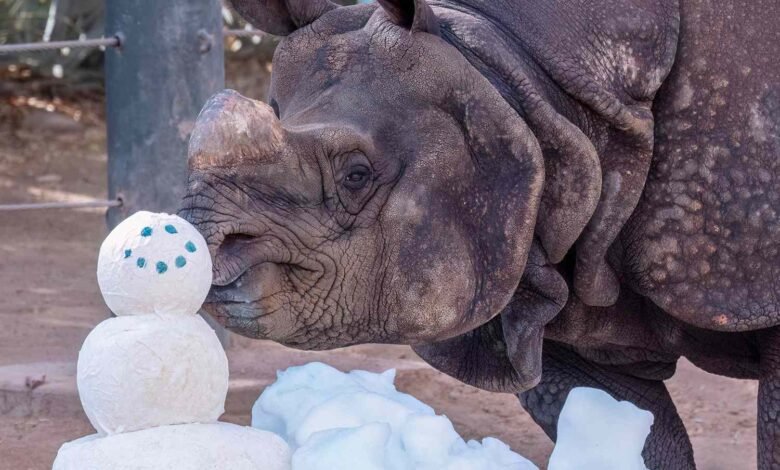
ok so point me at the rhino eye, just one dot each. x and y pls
(357, 178)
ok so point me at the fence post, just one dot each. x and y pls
(170, 61)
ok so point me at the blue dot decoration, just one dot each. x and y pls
(128, 253)
(146, 232)
(170, 229)
(141, 262)
(190, 247)
(180, 261)
(161, 267)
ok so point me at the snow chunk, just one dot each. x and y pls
(361, 447)
(139, 371)
(179, 447)
(597, 432)
(358, 420)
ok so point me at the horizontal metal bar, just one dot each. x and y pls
(47, 46)
(106, 42)
(242, 33)
(59, 205)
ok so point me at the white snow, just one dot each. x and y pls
(154, 263)
(140, 371)
(181, 447)
(358, 420)
(597, 432)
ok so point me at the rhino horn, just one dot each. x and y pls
(231, 130)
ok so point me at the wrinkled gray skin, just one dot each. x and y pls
(536, 195)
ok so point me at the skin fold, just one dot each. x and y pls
(534, 195)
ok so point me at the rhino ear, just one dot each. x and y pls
(281, 17)
(497, 205)
(416, 15)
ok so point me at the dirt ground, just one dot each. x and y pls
(49, 301)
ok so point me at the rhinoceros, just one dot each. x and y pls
(535, 195)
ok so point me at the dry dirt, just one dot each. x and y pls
(49, 301)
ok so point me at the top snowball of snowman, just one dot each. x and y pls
(154, 263)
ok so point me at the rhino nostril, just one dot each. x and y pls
(231, 258)
(238, 238)
(232, 244)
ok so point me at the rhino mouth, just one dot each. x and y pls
(255, 280)
(239, 306)
(257, 303)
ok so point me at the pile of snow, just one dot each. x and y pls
(153, 380)
(358, 420)
(595, 431)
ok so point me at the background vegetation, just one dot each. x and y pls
(24, 21)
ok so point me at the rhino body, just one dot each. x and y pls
(536, 195)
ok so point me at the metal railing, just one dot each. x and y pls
(115, 41)
(54, 45)
(101, 42)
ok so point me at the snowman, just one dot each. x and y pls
(153, 380)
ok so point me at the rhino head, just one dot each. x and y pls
(386, 194)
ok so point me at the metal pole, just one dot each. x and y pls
(27, 206)
(47, 46)
(170, 60)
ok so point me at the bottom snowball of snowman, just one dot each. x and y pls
(179, 447)
(140, 371)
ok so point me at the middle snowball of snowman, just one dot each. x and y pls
(136, 372)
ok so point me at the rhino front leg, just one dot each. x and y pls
(769, 401)
(668, 446)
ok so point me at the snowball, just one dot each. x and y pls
(140, 371)
(358, 420)
(181, 447)
(154, 263)
(597, 432)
